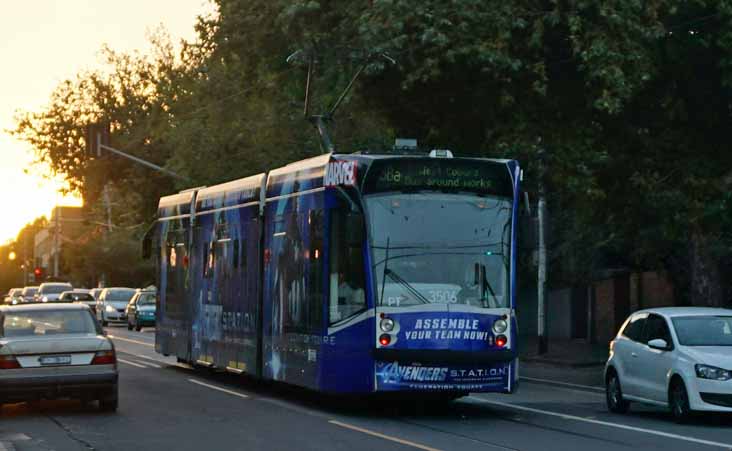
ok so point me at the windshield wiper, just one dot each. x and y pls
(397, 278)
(484, 283)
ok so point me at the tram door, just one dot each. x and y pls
(349, 365)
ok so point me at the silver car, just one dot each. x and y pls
(50, 291)
(112, 303)
(50, 351)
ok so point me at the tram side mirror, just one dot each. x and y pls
(146, 247)
(147, 242)
(355, 229)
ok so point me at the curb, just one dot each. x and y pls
(564, 363)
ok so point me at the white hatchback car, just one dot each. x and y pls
(55, 351)
(676, 357)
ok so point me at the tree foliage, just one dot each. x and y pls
(629, 100)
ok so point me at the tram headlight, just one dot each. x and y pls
(500, 326)
(387, 324)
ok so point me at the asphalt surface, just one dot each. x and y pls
(165, 404)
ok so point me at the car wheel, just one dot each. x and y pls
(129, 326)
(614, 394)
(679, 401)
(138, 328)
(108, 405)
(111, 403)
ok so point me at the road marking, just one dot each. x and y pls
(604, 423)
(150, 364)
(131, 363)
(131, 341)
(151, 359)
(241, 395)
(563, 384)
(382, 436)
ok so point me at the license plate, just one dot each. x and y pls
(55, 360)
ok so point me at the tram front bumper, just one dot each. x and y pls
(406, 370)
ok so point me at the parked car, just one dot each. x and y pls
(50, 291)
(29, 293)
(15, 296)
(675, 357)
(141, 310)
(112, 303)
(80, 297)
(55, 351)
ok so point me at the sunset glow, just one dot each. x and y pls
(42, 43)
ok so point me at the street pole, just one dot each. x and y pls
(56, 232)
(541, 276)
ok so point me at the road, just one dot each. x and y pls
(163, 403)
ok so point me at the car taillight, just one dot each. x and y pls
(8, 362)
(104, 358)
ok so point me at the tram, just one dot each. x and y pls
(347, 273)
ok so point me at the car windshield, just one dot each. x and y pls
(47, 322)
(704, 330)
(146, 299)
(30, 291)
(119, 295)
(15, 292)
(55, 289)
(440, 248)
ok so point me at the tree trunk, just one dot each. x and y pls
(706, 282)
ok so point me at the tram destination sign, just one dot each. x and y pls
(451, 175)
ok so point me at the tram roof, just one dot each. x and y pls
(229, 194)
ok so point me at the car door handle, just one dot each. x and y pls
(633, 354)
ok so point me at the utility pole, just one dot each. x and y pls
(541, 276)
(56, 233)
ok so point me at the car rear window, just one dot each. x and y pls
(81, 297)
(146, 299)
(55, 289)
(47, 322)
(120, 295)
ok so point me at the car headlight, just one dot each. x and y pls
(712, 372)
(14, 301)
(110, 309)
(500, 326)
(44, 299)
(387, 324)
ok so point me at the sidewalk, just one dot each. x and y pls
(565, 353)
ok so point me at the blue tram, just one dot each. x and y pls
(347, 273)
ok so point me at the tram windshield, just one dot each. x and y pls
(432, 247)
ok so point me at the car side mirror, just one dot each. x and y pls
(658, 343)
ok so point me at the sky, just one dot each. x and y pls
(42, 43)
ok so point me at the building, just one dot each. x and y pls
(66, 225)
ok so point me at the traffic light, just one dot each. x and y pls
(38, 273)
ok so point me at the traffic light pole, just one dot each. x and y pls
(146, 163)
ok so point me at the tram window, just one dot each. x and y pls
(236, 253)
(347, 294)
(315, 275)
(210, 253)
